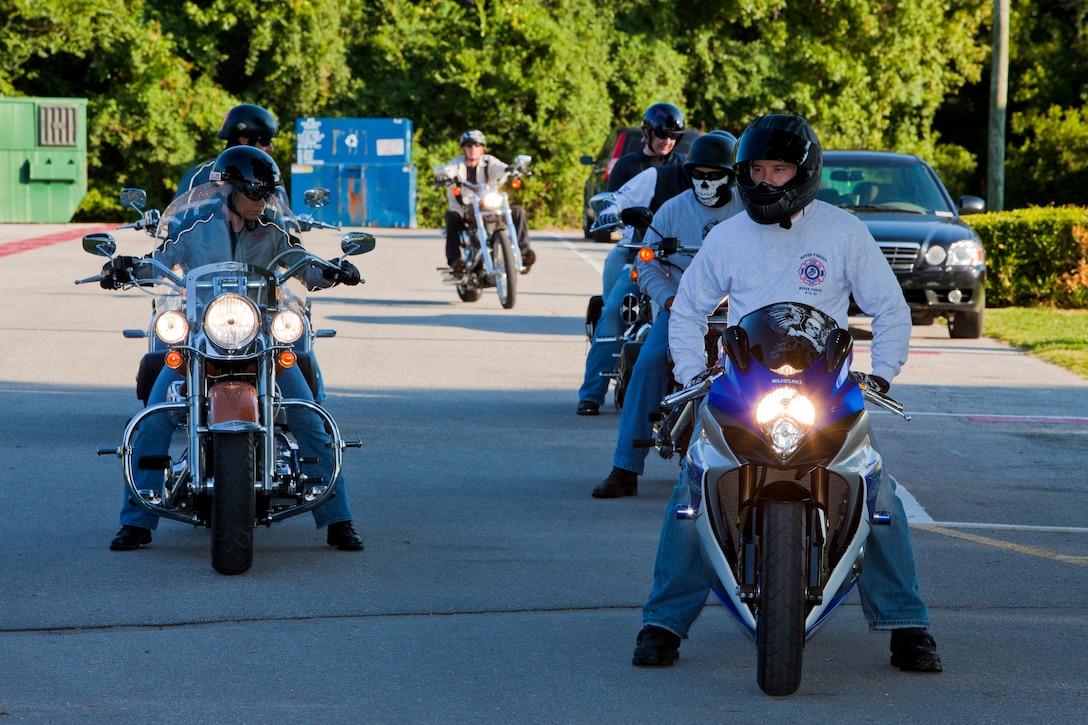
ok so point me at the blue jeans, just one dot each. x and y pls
(649, 381)
(618, 258)
(888, 584)
(154, 433)
(602, 355)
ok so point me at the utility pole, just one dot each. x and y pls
(999, 97)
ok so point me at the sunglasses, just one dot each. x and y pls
(697, 175)
(467, 144)
(255, 194)
(264, 140)
(667, 136)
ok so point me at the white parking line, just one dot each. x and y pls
(597, 266)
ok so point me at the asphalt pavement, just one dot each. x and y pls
(493, 588)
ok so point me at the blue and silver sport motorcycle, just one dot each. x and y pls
(782, 476)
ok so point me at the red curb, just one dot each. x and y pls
(26, 245)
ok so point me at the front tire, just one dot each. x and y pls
(233, 502)
(506, 274)
(780, 624)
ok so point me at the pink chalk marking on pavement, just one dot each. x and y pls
(26, 245)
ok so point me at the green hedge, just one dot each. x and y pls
(1035, 256)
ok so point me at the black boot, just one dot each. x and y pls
(913, 650)
(656, 647)
(342, 535)
(619, 483)
(130, 538)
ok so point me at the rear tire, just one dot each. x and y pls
(506, 275)
(233, 502)
(780, 623)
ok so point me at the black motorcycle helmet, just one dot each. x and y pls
(713, 150)
(248, 171)
(663, 118)
(778, 137)
(250, 121)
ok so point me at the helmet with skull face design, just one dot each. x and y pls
(713, 150)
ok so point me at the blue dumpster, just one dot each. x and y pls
(365, 162)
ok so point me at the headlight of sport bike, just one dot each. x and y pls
(492, 200)
(785, 416)
(171, 327)
(287, 326)
(231, 321)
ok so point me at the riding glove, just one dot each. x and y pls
(345, 273)
(117, 272)
(875, 382)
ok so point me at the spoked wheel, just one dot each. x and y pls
(780, 625)
(506, 274)
(233, 502)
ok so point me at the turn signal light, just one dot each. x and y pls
(634, 274)
(457, 191)
(287, 358)
(515, 184)
(174, 359)
(646, 254)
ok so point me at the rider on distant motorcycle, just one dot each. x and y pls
(688, 218)
(654, 174)
(478, 167)
(245, 181)
(662, 128)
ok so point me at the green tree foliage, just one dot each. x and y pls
(544, 77)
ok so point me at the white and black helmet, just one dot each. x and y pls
(778, 137)
(712, 150)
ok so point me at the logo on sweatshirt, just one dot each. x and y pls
(812, 271)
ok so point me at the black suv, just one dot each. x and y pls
(938, 259)
(623, 140)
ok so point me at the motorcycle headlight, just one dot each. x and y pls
(287, 326)
(171, 327)
(785, 416)
(231, 321)
(492, 200)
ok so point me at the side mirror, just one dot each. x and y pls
(737, 346)
(839, 345)
(316, 198)
(586, 160)
(971, 205)
(522, 161)
(638, 217)
(354, 243)
(99, 243)
(134, 199)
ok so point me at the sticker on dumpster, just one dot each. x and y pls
(309, 141)
(390, 147)
(352, 141)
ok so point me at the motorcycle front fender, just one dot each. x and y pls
(233, 406)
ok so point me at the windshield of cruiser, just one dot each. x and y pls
(788, 336)
(213, 223)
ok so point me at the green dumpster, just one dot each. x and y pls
(43, 158)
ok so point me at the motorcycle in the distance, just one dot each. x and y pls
(782, 478)
(228, 329)
(491, 259)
